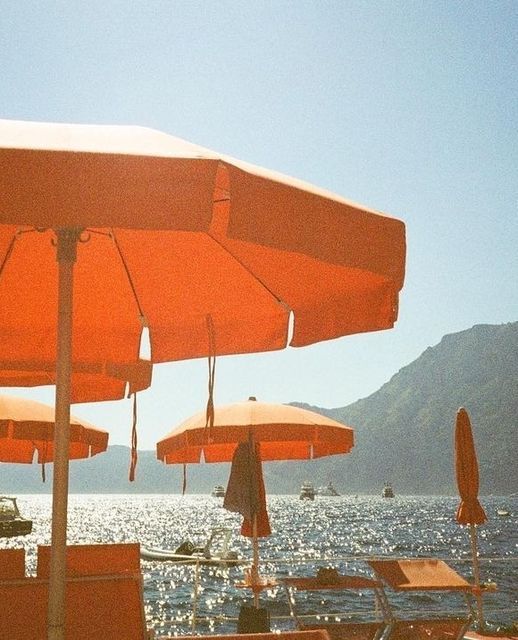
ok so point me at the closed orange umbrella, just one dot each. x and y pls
(470, 510)
(255, 431)
(113, 235)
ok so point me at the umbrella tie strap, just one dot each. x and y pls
(134, 454)
(209, 414)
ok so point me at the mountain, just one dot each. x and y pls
(403, 433)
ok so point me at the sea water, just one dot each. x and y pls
(339, 532)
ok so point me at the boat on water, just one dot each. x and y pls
(327, 490)
(503, 512)
(218, 491)
(11, 522)
(307, 491)
(215, 551)
(388, 491)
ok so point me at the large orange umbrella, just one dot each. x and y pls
(470, 510)
(27, 431)
(108, 234)
(271, 431)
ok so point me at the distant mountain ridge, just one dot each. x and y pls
(403, 433)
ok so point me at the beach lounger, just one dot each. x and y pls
(423, 574)
(331, 580)
(104, 599)
(97, 607)
(12, 564)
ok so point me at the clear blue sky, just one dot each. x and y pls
(410, 107)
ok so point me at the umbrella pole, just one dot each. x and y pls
(66, 255)
(476, 575)
(255, 559)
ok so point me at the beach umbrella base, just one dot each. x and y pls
(253, 620)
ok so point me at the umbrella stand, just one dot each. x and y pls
(255, 560)
(66, 256)
(476, 576)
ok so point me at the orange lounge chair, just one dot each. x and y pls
(12, 564)
(373, 630)
(423, 574)
(103, 597)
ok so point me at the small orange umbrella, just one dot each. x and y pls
(470, 510)
(268, 431)
(27, 428)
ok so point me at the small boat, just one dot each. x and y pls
(503, 512)
(214, 552)
(11, 522)
(307, 491)
(328, 490)
(388, 491)
(218, 491)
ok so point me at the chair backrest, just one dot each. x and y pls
(12, 564)
(100, 607)
(94, 560)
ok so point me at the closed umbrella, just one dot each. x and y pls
(245, 433)
(470, 510)
(111, 235)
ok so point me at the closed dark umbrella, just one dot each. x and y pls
(470, 510)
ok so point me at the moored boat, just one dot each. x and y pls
(327, 490)
(307, 491)
(11, 522)
(388, 491)
(218, 491)
(214, 552)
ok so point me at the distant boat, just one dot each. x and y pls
(328, 490)
(11, 522)
(307, 491)
(218, 491)
(388, 491)
(503, 512)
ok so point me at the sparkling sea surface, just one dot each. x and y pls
(335, 532)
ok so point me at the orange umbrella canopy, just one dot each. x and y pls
(470, 510)
(283, 431)
(106, 231)
(27, 427)
(207, 252)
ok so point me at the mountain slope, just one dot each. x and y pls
(404, 431)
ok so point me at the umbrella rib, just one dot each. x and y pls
(128, 274)
(251, 273)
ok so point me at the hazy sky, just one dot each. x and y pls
(408, 107)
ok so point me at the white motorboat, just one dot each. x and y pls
(388, 491)
(218, 491)
(307, 491)
(328, 490)
(214, 552)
